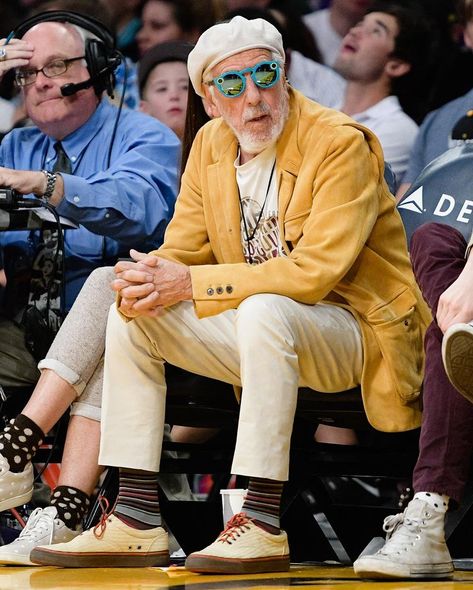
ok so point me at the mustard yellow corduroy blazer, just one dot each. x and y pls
(343, 237)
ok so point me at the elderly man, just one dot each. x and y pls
(268, 279)
(86, 159)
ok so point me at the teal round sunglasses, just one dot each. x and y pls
(233, 83)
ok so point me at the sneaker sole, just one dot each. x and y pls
(112, 559)
(457, 354)
(15, 559)
(381, 569)
(222, 565)
(16, 501)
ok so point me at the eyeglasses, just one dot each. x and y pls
(51, 70)
(264, 74)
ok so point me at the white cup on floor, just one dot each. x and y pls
(232, 501)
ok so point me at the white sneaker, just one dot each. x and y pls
(43, 528)
(415, 546)
(15, 488)
(457, 355)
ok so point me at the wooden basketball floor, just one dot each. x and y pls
(323, 577)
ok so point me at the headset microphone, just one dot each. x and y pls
(70, 89)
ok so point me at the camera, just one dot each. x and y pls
(8, 198)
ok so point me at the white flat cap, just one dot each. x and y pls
(228, 38)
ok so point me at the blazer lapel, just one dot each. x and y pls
(225, 205)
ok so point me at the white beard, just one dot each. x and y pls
(253, 143)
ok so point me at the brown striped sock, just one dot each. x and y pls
(263, 502)
(137, 502)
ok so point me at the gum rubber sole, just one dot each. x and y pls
(221, 565)
(95, 559)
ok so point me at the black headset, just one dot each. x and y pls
(101, 56)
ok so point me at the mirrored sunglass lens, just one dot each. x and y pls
(266, 74)
(230, 84)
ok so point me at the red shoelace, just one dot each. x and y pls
(234, 528)
(100, 527)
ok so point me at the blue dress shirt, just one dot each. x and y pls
(118, 206)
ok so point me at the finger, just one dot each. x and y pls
(141, 256)
(137, 255)
(147, 259)
(127, 312)
(14, 42)
(122, 265)
(10, 64)
(119, 284)
(136, 276)
(146, 303)
(138, 291)
(127, 304)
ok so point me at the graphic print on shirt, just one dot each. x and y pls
(265, 242)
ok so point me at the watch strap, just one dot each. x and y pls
(51, 178)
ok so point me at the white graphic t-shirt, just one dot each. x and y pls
(257, 184)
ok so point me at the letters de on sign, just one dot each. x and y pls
(443, 193)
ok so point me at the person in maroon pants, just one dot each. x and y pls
(415, 544)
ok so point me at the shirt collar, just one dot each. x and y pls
(77, 141)
(383, 108)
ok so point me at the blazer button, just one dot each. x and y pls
(210, 291)
(229, 289)
(219, 290)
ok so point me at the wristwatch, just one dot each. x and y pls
(51, 178)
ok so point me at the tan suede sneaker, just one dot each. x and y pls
(457, 355)
(242, 548)
(111, 543)
(415, 547)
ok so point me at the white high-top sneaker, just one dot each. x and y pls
(43, 528)
(415, 546)
(457, 355)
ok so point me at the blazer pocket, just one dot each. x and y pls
(401, 344)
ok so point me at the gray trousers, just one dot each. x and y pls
(76, 355)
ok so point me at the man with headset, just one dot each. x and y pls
(268, 279)
(113, 173)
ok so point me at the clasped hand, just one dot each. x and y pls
(149, 284)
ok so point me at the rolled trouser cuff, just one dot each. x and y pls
(86, 411)
(65, 373)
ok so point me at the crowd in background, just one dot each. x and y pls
(387, 72)
(313, 29)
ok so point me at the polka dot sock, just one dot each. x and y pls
(19, 442)
(439, 502)
(71, 504)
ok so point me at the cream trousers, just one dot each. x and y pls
(269, 346)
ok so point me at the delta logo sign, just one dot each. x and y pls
(443, 193)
